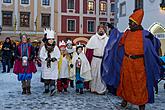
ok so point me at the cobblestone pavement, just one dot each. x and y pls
(11, 98)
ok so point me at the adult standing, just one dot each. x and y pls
(131, 64)
(94, 53)
(6, 54)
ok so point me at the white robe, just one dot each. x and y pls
(97, 43)
(85, 70)
(50, 73)
(64, 71)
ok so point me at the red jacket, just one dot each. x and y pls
(18, 68)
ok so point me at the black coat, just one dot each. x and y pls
(6, 53)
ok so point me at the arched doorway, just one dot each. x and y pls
(158, 30)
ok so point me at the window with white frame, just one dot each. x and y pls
(46, 2)
(24, 1)
(91, 26)
(103, 6)
(90, 5)
(123, 9)
(71, 23)
(71, 4)
(6, 1)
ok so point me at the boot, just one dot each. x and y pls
(28, 91)
(124, 103)
(46, 89)
(52, 92)
(65, 91)
(24, 91)
(77, 91)
(71, 83)
(81, 91)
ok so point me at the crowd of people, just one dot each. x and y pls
(8, 54)
(126, 63)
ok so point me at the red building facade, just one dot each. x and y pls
(78, 19)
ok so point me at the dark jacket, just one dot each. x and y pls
(6, 53)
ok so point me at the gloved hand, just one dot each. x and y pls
(71, 65)
(53, 59)
(48, 59)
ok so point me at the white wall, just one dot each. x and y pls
(123, 21)
(152, 13)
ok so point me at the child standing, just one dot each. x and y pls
(81, 69)
(50, 55)
(62, 82)
(24, 65)
(70, 51)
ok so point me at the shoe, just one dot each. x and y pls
(24, 91)
(71, 84)
(81, 91)
(3, 71)
(77, 90)
(46, 91)
(65, 90)
(52, 92)
(28, 91)
(124, 103)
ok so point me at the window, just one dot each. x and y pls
(90, 5)
(103, 6)
(24, 19)
(138, 4)
(6, 1)
(112, 7)
(45, 20)
(123, 9)
(7, 18)
(71, 25)
(46, 2)
(24, 1)
(91, 26)
(70, 4)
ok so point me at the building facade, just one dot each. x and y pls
(71, 19)
(153, 13)
(31, 16)
(78, 19)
